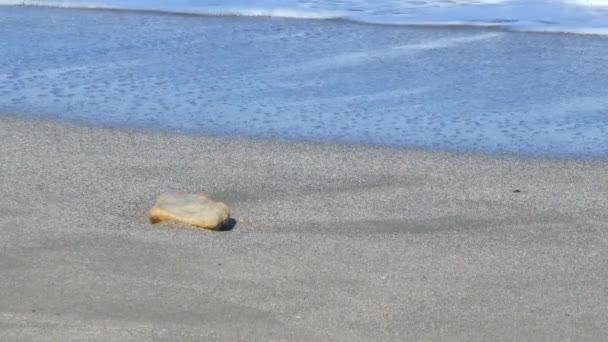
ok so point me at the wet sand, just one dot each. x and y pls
(332, 242)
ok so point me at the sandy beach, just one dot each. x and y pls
(341, 243)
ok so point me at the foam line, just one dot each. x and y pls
(565, 16)
(359, 58)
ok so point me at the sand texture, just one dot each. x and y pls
(331, 243)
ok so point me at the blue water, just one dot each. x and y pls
(447, 88)
(575, 16)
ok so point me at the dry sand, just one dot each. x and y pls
(331, 242)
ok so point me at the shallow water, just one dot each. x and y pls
(457, 89)
(576, 16)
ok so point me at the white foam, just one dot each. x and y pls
(352, 59)
(572, 16)
(588, 3)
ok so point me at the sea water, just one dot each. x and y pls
(583, 16)
(446, 75)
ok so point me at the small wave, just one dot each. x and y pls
(565, 16)
(589, 3)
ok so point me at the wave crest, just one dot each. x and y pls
(565, 16)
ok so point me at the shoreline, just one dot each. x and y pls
(331, 242)
(312, 142)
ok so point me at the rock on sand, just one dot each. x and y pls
(193, 209)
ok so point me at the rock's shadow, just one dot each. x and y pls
(230, 225)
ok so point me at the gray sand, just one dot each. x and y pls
(332, 242)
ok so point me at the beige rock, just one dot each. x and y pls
(194, 209)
